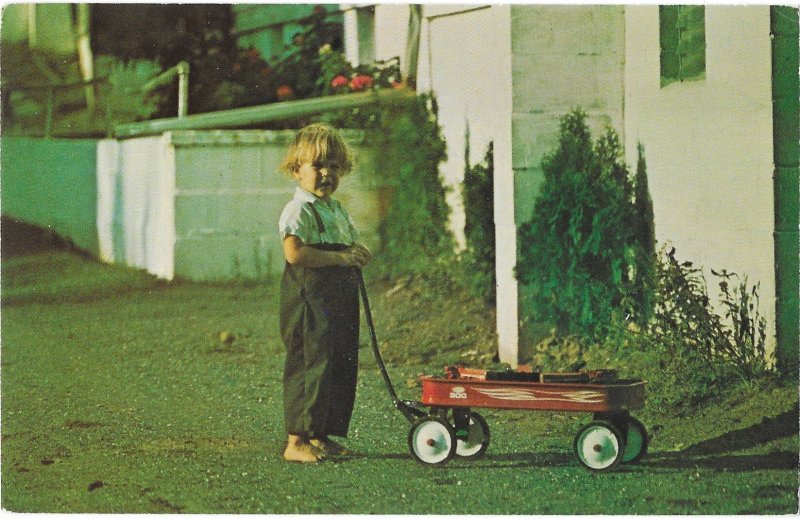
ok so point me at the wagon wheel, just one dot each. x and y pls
(636, 440)
(432, 441)
(599, 446)
(472, 445)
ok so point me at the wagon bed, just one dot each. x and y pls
(619, 395)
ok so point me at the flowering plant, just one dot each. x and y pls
(340, 77)
(315, 67)
(360, 82)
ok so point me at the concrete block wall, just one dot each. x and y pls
(562, 57)
(228, 196)
(210, 202)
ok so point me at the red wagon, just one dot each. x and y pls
(444, 424)
(453, 429)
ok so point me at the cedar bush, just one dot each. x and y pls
(479, 256)
(580, 251)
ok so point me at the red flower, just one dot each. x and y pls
(397, 84)
(360, 82)
(339, 81)
(284, 92)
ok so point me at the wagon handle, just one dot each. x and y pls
(408, 408)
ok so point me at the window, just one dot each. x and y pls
(683, 42)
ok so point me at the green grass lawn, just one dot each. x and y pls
(119, 396)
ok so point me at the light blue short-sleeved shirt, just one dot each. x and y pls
(298, 220)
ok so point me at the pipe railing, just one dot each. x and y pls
(50, 88)
(181, 70)
(249, 116)
(165, 78)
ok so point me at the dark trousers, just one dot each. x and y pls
(319, 326)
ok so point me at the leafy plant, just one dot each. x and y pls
(297, 75)
(558, 353)
(123, 94)
(683, 317)
(414, 233)
(687, 349)
(745, 336)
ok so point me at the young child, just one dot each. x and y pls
(319, 314)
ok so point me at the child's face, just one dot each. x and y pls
(320, 178)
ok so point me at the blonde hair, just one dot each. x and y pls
(316, 143)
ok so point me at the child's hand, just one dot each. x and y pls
(356, 256)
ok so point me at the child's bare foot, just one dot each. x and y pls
(329, 447)
(300, 449)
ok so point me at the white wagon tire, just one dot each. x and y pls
(599, 446)
(475, 445)
(432, 441)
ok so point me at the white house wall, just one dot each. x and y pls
(391, 29)
(471, 79)
(465, 60)
(708, 144)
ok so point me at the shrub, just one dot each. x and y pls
(687, 350)
(745, 336)
(645, 240)
(479, 256)
(415, 232)
(579, 251)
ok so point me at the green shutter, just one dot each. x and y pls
(668, 37)
(693, 41)
(683, 42)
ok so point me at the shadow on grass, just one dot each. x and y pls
(781, 460)
(715, 452)
(490, 461)
(769, 429)
(76, 297)
(23, 239)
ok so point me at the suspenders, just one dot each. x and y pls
(320, 225)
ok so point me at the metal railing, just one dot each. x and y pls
(248, 116)
(181, 71)
(51, 89)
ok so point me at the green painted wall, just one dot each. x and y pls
(52, 183)
(786, 133)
